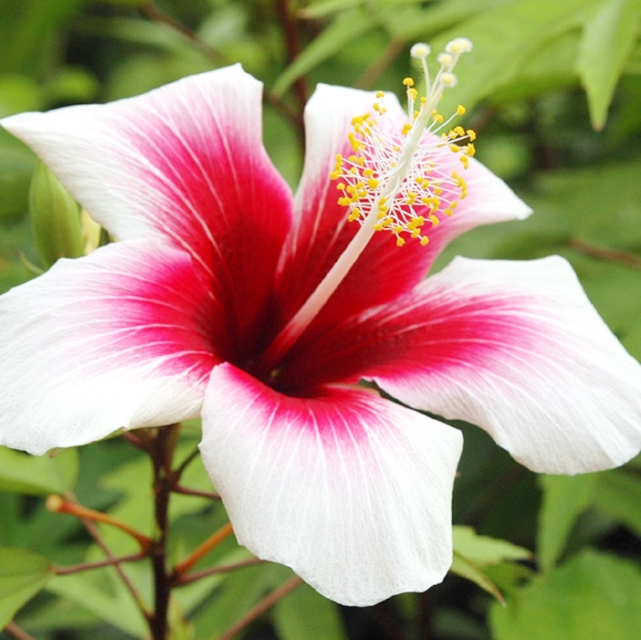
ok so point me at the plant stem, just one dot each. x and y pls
(205, 573)
(195, 492)
(604, 253)
(380, 65)
(17, 632)
(162, 456)
(59, 505)
(289, 25)
(213, 541)
(93, 530)
(154, 13)
(267, 602)
(86, 566)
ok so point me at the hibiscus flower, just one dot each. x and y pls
(196, 311)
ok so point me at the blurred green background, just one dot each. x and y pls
(553, 88)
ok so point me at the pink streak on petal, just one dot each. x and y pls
(322, 232)
(350, 490)
(122, 338)
(184, 163)
(514, 347)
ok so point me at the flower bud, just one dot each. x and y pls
(55, 218)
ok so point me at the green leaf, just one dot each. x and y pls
(593, 596)
(463, 567)
(343, 30)
(22, 575)
(102, 593)
(51, 473)
(609, 37)
(505, 38)
(564, 498)
(473, 553)
(619, 494)
(484, 550)
(306, 615)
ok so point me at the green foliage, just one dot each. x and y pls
(553, 88)
(594, 595)
(22, 575)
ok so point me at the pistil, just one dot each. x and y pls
(393, 182)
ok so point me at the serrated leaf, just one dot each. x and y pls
(344, 29)
(564, 498)
(609, 38)
(484, 550)
(594, 595)
(22, 575)
(618, 493)
(38, 475)
(306, 615)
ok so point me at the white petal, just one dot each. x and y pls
(351, 491)
(96, 344)
(517, 348)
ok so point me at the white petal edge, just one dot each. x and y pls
(564, 397)
(140, 164)
(359, 506)
(75, 368)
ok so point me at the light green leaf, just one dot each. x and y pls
(38, 475)
(22, 575)
(564, 498)
(344, 29)
(505, 38)
(102, 593)
(609, 37)
(593, 596)
(306, 615)
(472, 553)
(466, 569)
(618, 493)
(484, 550)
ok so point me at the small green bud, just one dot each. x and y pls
(55, 218)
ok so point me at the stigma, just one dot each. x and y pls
(407, 179)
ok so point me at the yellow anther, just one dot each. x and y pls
(372, 183)
(470, 149)
(424, 240)
(448, 212)
(406, 128)
(437, 117)
(399, 241)
(412, 94)
(344, 201)
(334, 175)
(341, 186)
(433, 219)
(465, 161)
(455, 148)
(380, 94)
(471, 134)
(408, 82)
(368, 173)
(461, 110)
(459, 131)
(411, 197)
